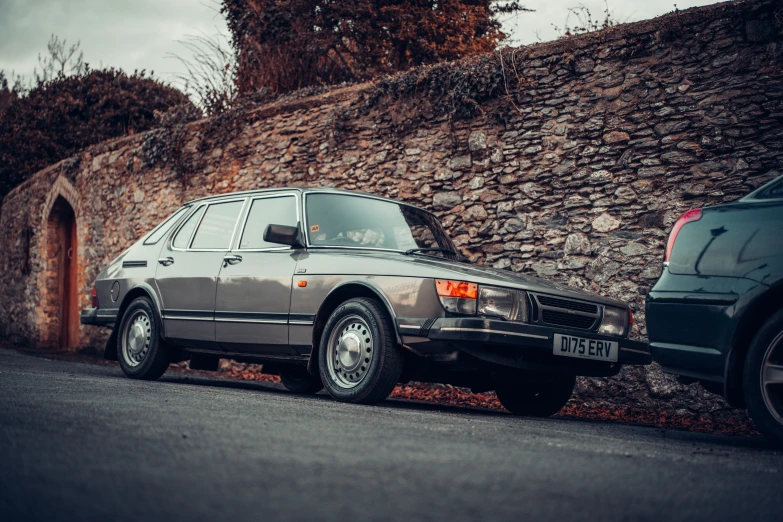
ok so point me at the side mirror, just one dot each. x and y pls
(282, 234)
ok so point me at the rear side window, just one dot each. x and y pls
(164, 227)
(184, 234)
(215, 230)
(772, 190)
(264, 212)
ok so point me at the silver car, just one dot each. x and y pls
(350, 292)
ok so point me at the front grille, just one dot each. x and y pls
(568, 320)
(567, 304)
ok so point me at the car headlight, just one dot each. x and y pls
(616, 321)
(461, 297)
(503, 303)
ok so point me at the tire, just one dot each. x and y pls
(140, 325)
(359, 360)
(763, 365)
(298, 380)
(535, 398)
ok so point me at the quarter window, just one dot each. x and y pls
(184, 234)
(165, 226)
(215, 230)
(265, 212)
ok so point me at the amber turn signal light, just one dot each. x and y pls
(462, 289)
(302, 284)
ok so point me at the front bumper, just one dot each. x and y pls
(99, 316)
(514, 344)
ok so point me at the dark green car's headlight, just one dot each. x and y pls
(503, 303)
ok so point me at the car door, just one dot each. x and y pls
(254, 286)
(188, 269)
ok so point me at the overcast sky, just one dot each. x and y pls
(139, 34)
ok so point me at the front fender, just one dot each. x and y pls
(338, 294)
(400, 295)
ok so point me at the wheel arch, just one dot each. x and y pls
(339, 294)
(752, 317)
(140, 290)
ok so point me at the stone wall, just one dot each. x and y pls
(569, 160)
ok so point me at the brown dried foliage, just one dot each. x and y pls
(60, 116)
(444, 395)
(284, 45)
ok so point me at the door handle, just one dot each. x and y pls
(166, 261)
(232, 260)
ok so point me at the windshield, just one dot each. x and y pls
(343, 220)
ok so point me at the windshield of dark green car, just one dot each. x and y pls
(342, 220)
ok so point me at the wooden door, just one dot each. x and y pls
(68, 262)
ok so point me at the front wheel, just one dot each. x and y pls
(141, 352)
(359, 360)
(535, 398)
(763, 379)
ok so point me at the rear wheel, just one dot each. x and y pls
(358, 358)
(140, 351)
(298, 380)
(535, 398)
(763, 378)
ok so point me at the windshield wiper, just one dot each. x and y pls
(414, 250)
(442, 250)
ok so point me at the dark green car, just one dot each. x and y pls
(716, 313)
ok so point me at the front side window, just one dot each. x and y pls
(186, 231)
(217, 227)
(164, 227)
(264, 212)
(361, 222)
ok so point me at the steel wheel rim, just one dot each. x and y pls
(772, 378)
(136, 338)
(350, 351)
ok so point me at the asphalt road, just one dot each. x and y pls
(82, 442)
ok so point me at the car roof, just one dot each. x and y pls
(301, 190)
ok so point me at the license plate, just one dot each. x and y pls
(579, 347)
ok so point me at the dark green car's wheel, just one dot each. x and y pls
(140, 351)
(297, 380)
(358, 357)
(763, 378)
(535, 398)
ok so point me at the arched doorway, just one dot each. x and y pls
(62, 271)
